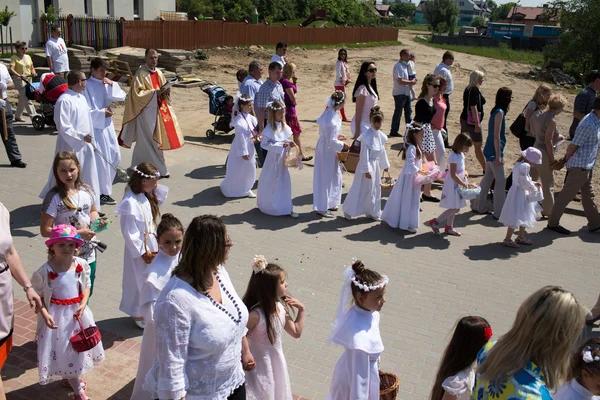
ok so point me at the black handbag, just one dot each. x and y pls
(518, 126)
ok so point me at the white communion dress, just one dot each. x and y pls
(402, 208)
(450, 197)
(517, 210)
(461, 384)
(240, 174)
(356, 374)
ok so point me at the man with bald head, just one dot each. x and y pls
(73, 119)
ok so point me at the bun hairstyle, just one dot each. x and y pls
(135, 185)
(338, 97)
(364, 276)
(586, 357)
(376, 115)
(412, 130)
(167, 222)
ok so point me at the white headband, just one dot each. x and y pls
(270, 105)
(259, 264)
(331, 103)
(144, 175)
(587, 355)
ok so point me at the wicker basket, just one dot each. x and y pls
(342, 156)
(86, 339)
(387, 182)
(470, 193)
(388, 386)
(149, 255)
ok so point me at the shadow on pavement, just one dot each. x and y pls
(211, 196)
(124, 393)
(263, 221)
(25, 217)
(216, 141)
(38, 392)
(208, 172)
(27, 130)
(122, 326)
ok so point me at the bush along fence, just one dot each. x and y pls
(103, 33)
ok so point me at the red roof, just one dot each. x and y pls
(529, 13)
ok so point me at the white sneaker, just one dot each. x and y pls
(141, 323)
(347, 216)
(251, 195)
(374, 218)
(325, 214)
(411, 230)
(294, 215)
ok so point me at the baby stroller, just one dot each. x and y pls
(216, 106)
(46, 93)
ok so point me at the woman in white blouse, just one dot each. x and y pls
(200, 320)
(365, 95)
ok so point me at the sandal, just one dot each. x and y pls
(432, 223)
(451, 231)
(65, 383)
(525, 241)
(510, 243)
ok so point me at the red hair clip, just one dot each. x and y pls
(487, 333)
(79, 268)
(52, 275)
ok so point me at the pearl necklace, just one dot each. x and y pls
(221, 307)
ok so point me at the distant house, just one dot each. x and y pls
(528, 16)
(383, 10)
(468, 10)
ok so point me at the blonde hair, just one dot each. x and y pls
(545, 329)
(542, 94)
(557, 102)
(288, 70)
(475, 78)
(281, 107)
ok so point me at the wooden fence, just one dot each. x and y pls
(190, 35)
(99, 33)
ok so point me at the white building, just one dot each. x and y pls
(26, 24)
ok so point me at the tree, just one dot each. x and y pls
(5, 17)
(437, 12)
(400, 9)
(501, 11)
(479, 22)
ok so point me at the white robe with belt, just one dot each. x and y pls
(136, 221)
(275, 184)
(99, 96)
(156, 277)
(73, 121)
(364, 196)
(327, 180)
(240, 174)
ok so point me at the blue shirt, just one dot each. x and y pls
(587, 138)
(250, 86)
(489, 151)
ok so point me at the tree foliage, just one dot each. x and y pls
(501, 11)
(479, 22)
(5, 16)
(441, 15)
(579, 42)
(400, 9)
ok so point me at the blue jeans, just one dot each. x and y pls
(401, 102)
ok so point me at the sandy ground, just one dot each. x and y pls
(316, 75)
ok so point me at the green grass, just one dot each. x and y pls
(347, 45)
(415, 27)
(314, 24)
(499, 53)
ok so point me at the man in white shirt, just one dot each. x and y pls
(279, 55)
(443, 70)
(56, 52)
(401, 93)
(8, 138)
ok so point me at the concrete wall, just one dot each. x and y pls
(25, 24)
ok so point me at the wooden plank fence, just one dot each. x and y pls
(99, 33)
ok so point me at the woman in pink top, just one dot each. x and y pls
(342, 76)
(437, 124)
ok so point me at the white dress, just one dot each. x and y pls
(402, 208)
(364, 196)
(356, 374)
(241, 174)
(327, 178)
(100, 96)
(270, 379)
(136, 220)
(57, 359)
(157, 276)
(573, 390)
(275, 185)
(199, 346)
(517, 210)
(365, 120)
(450, 197)
(460, 385)
(74, 121)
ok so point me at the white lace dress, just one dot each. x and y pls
(461, 384)
(517, 211)
(198, 345)
(270, 379)
(56, 357)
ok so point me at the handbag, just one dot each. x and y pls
(518, 126)
(353, 156)
(470, 120)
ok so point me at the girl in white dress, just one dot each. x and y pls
(327, 178)
(451, 200)
(520, 209)
(275, 184)
(269, 380)
(356, 328)
(364, 197)
(139, 210)
(63, 283)
(402, 208)
(456, 377)
(584, 372)
(169, 235)
(240, 173)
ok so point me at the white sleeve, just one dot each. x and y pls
(133, 238)
(359, 370)
(333, 143)
(268, 142)
(457, 385)
(161, 192)
(410, 164)
(525, 180)
(149, 293)
(98, 115)
(48, 49)
(64, 125)
(384, 163)
(363, 166)
(340, 71)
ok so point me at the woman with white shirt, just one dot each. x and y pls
(200, 321)
(342, 77)
(366, 96)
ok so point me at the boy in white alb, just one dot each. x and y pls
(56, 52)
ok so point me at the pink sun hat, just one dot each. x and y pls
(64, 233)
(532, 155)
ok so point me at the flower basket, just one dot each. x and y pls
(86, 339)
(471, 192)
(536, 196)
(387, 182)
(342, 156)
(388, 386)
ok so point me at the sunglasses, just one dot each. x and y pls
(436, 86)
(372, 70)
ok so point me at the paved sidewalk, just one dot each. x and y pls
(433, 280)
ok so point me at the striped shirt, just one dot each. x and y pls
(587, 139)
(269, 92)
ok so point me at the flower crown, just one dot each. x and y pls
(259, 264)
(148, 176)
(340, 101)
(272, 107)
(366, 287)
(588, 358)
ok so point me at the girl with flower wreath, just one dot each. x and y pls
(267, 320)
(356, 328)
(456, 377)
(584, 372)
(63, 283)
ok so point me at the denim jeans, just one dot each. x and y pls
(401, 103)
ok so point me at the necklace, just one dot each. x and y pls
(221, 307)
(78, 209)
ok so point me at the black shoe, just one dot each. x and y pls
(18, 164)
(560, 229)
(394, 135)
(165, 176)
(430, 199)
(307, 158)
(106, 199)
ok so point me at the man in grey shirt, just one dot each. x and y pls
(584, 102)
(270, 91)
